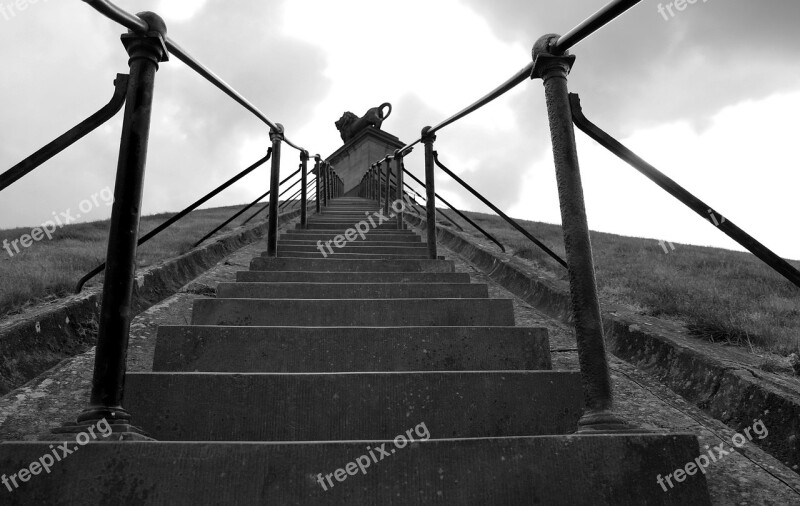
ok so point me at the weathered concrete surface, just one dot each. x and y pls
(32, 342)
(346, 349)
(351, 406)
(569, 471)
(353, 313)
(747, 477)
(323, 265)
(352, 277)
(352, 291)
(350, 161)
(723, 381)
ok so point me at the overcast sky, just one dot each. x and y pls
(707, 96)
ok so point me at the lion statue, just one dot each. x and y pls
(350, 125)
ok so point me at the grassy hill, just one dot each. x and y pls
(722, 295)
(50, 268)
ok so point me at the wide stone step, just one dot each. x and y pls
(352, 291)
(289, 253)
(337, 265)
(342, 227)
(188, 348)
(357, 243)
(354, 312)
(351, 277)
(608, 470)
(352, 406)
(316, 236)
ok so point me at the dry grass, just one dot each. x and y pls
(50, 268)
(722, 295)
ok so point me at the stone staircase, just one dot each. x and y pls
(369, 375)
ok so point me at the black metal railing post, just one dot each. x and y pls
(428, 139)
(146, 51)
(388, 195)
(276, 136)
(304, 189)
(373, 182)
(325, 184)
(398, 161)
(379, 170)
(553, 68)
(317, 160)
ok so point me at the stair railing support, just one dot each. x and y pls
(428, 139)
(317, 160)
(276, 136)
(146, 50)
(398, 162)
(304, 189)
(553, 67)
(388, 196)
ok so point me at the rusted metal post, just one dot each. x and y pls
(388, 195)
(324, 184)
(304, 189)
(428, 139)
(146, 51)
(553, 69)
(398, 162)
(276, 136)
(317, 160)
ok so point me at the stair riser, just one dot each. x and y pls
(351, 291)
(335, 407)
(352, 277)
(355, 244)
(555, 471)
(294, 350)
(328, 265)
(350, 313)
(288, 253)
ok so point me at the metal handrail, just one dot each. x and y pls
(136, 24)
(766, 255)
(500, 213)
(595, 22)
(290, 176)
(216, 191)
(468, 220)
(70, 137)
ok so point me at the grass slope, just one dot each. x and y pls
(722, 295)
(50, 268)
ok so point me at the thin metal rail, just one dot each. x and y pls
(136, 24)
(595, 22)
(500, 213)
(97, 270)
(279, 196)
(70, 137)
(665, 183)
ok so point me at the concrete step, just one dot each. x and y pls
(343, 227)
(336, 265)
(354, 312)
(611, 470)
(351, 277)
(323, 250)
(188, 348)
(317, 236)
(288, 253)
(357, 243)
(352, 406)
(352, 291)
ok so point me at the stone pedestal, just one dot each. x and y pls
(353, 159)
